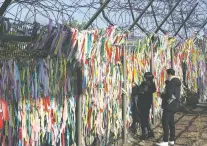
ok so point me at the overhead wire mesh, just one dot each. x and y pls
(117, 12)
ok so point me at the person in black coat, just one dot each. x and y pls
(170, 103)
(146, 90)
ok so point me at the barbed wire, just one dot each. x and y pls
(117, 12)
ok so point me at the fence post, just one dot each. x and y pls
(152, 71)
(172, 57)
(79, 107)
(124, 96)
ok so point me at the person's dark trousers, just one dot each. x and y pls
(168, 123)
(144, 115)
(134, 117)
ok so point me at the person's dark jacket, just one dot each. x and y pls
(146, 90)
(135, 91)
(171, 97)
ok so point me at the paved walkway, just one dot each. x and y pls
(191, 130)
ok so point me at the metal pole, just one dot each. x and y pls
(184, 24)
(152, 71)
(204, 24)
(172, 19)
(4, 6)
(96, 14)
(186, 19)
(156, 19)
(158, 28)
(79, 107)
(154, 15)
(136, 20)
(172, 57)
(142, 29)
(124, 96)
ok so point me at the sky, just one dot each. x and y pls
(79, 15)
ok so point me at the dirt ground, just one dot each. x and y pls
(191, 130)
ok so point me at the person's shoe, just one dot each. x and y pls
(162, 144)
(151, 135)
(171, 143)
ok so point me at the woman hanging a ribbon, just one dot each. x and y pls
(146, 90)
